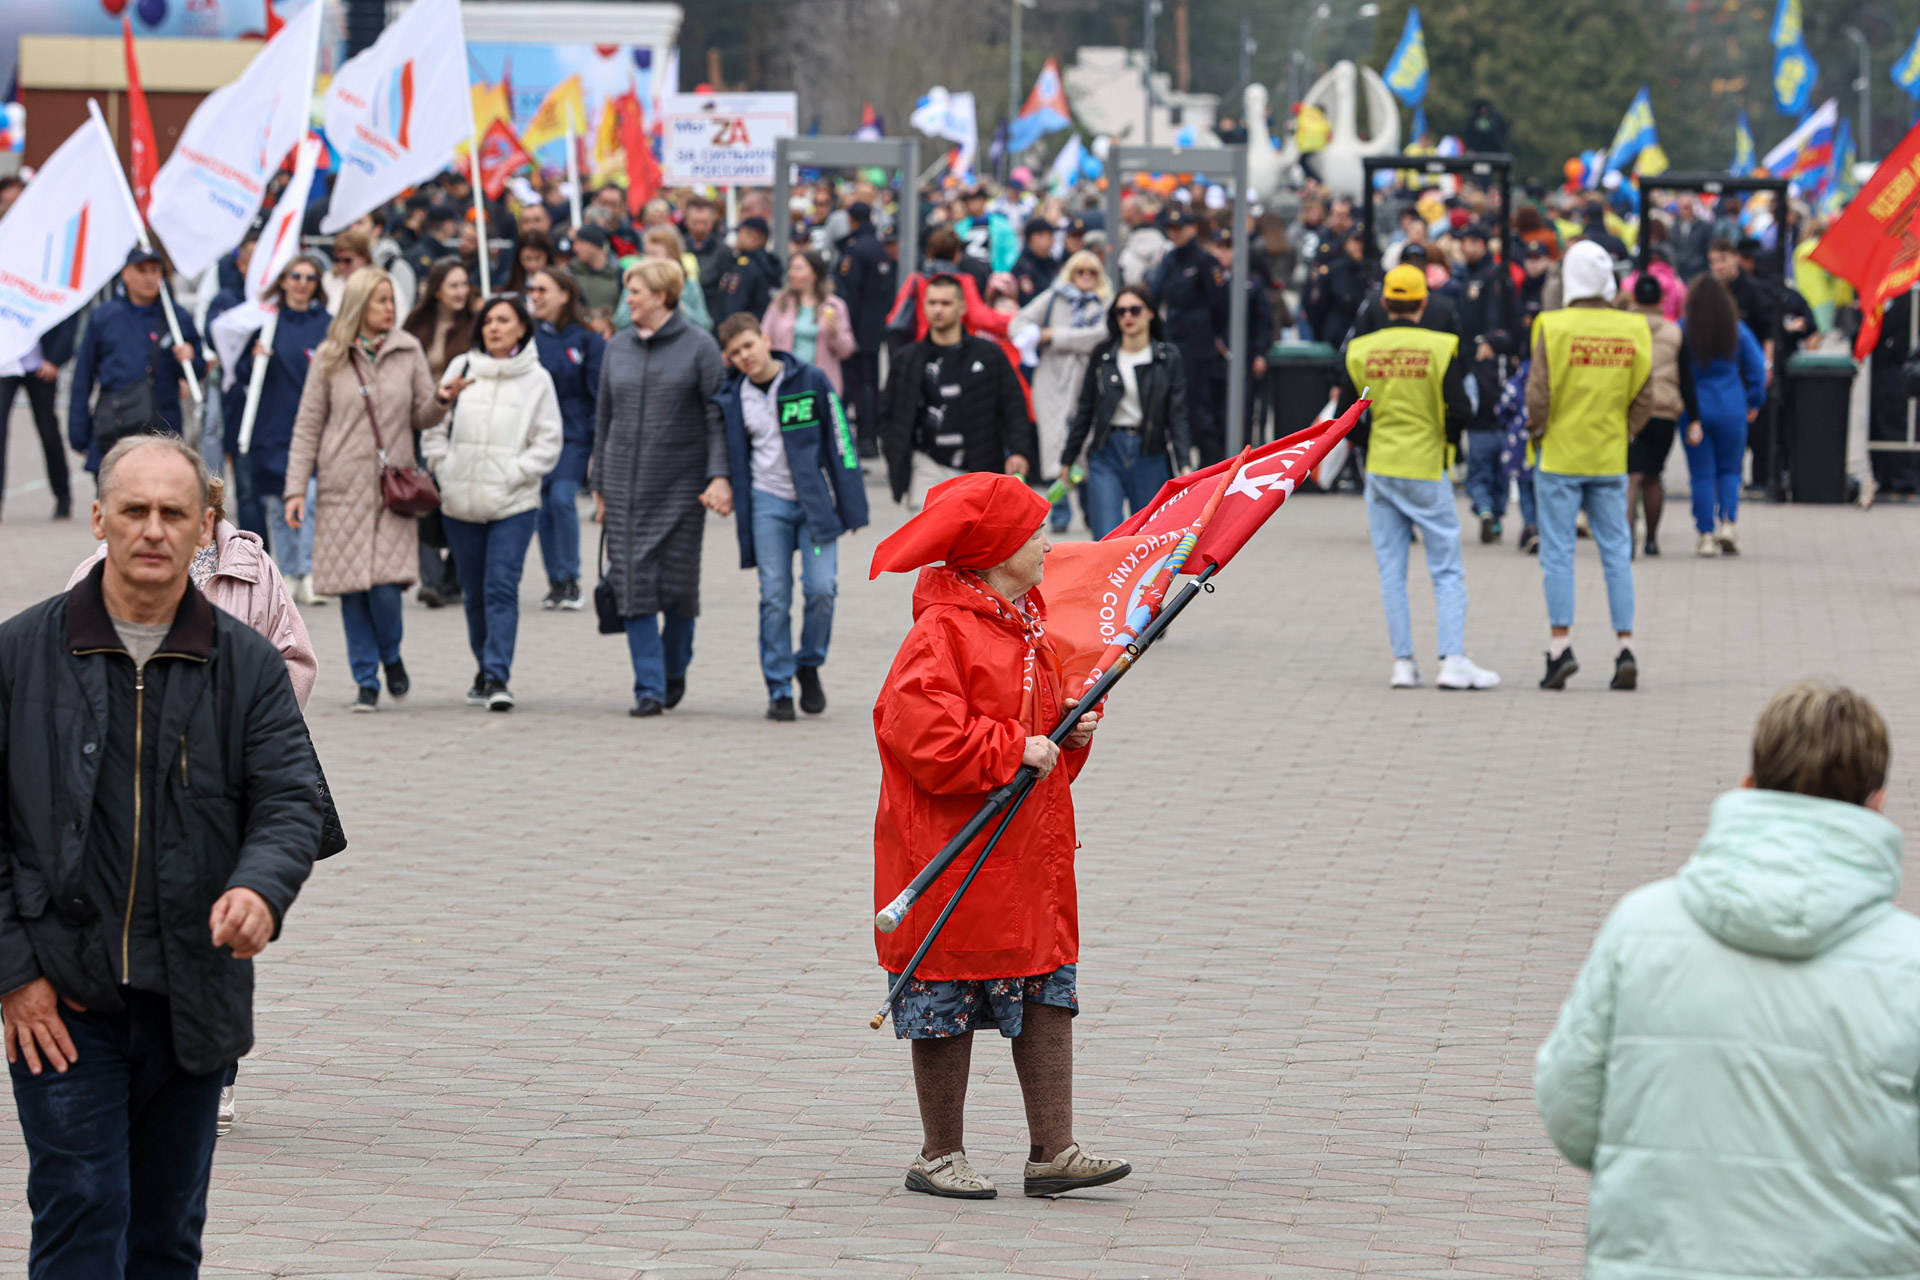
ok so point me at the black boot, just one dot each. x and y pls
(813, 699)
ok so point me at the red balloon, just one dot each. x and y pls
(114, 7)
(604, 50)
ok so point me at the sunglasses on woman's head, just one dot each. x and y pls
(1129, 311)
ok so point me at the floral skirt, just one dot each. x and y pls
(937, 1009)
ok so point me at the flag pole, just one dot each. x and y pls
(146, 242)
(573, 170)
(479, 202)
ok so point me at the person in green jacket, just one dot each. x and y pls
(1737, 1064)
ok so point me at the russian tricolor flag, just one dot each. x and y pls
(1808, 150)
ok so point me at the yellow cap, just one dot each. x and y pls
(1405, 284)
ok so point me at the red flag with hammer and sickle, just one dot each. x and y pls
(1876, 244)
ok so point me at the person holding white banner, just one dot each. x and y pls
(126, 352)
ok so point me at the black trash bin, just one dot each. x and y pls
(1300, 375)
(1819, 389)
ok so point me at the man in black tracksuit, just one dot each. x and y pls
(1194, 297)
(868, 278)
(954, 404)
(162, 807)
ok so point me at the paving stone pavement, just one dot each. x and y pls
(587, 996)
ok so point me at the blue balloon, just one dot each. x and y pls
(152, 12)
(1090, 167)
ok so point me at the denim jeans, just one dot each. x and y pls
(658, 657)
(372, 622)
(491, 555)
(779, 531)
(292, 548)
(1713, 468)
(1486, 477)
(1395, 507)
(560, 529)
(1529, 509)
(1605, 499)
(119, 1146)
(1118, 475)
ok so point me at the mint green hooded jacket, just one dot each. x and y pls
(1737, 1064)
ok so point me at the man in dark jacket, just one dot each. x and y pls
(953, 404)
(701, 226)
(797, 488)
(1034, 269)
(38, 376)
(1438, 315)
(1488, 349)
(125, 343)
(868, 277)
(163, 809)
(754, 275)
(1194, 297)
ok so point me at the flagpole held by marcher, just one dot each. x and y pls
(573, 169)
(479, 204)
(166, 296)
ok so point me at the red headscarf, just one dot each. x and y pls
(973, 521)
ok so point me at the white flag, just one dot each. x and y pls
(209, 191)
(64, 239)
(951, 116)
(396, 112)
(279, 241)
(1065, 170)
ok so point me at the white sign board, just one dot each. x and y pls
(725, 139)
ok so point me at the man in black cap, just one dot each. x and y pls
(596, 270)
(1438, 316)
(867, 278)
(1487, 339)
(1034, 269)
(1194, 299)
(754, 276)
(1075, 234)
(128, 351)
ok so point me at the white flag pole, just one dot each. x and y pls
(133, 207)
(479, 203)
(573, 171)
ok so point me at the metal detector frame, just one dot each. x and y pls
(1228, 164)
(1717, 184)
(899, 154)
(1473, 164)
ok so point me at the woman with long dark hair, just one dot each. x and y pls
(442, 322)
(1729, 374)
(535, 252)
(571, 354)
(1132, 418)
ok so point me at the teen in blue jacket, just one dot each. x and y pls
(127, 335)
(570, 353)
(1730, 386)
(796, 488)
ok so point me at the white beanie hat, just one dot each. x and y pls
(1587, 272)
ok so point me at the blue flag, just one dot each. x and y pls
(1838, 187)
(1406, 72)
(1787, 25)
(1906, 71)
(1635, 134)
(1744, 154)
(1794, 74)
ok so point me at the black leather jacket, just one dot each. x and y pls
(1163, 405)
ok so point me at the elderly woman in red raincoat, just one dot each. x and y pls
(972, 694)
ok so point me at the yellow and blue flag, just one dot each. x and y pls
(1794, 74)
(1906, 71)
(1788, 28)
(1406, 72)
(1635, 134)
(1744, 154)
(1839, 186)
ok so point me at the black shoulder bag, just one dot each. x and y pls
(606, 606)
(130, 411)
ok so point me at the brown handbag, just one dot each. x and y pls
(407, 491)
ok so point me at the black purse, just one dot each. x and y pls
(606, 606)
(130, 411)
(333, 837)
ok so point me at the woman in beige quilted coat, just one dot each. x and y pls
(362, 552)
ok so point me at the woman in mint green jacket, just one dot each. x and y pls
(1737, 1064)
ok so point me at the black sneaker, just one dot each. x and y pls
(1626, 672)
(430, 598)
(570, 595)
(477, 695)
(1559, 669)
(813, 699)
(367, 699)
(780, 709)
(397, 682)
(676, 690)
(645, 707)
(1529, 540)
(499, 697)
(63, 508)
(556, 592)
(1653, 548)
(1489, 530)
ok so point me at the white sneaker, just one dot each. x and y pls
(1458, 671)
(1708, 547)
(223, 1118)
(1406, 674)
(1728, 537)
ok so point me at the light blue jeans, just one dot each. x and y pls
(1560, 499)
(780, 531)
(292, 548)
(1395, 507)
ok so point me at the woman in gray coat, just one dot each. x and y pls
(659, 465)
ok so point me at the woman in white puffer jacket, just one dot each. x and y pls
(503, 435)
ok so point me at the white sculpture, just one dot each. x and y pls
(1339, 162)
(1266, 166)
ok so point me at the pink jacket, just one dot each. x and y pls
(1673, 292)
(247, 584)
(828, 350)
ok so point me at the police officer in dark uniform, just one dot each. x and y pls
(1194, 299)
(754, 276)
(1034, 269)
(868, 277)
(1259, 334)
(1487, 329)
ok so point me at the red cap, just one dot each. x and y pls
(973, 521)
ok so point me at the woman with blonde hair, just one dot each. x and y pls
(368, 391)
(807, 322)
(1071, 318)
(663, 243)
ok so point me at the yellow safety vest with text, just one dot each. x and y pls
(1597, 361)
(1404, 368)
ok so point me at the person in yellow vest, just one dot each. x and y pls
(1418, 385)
(1588, 394)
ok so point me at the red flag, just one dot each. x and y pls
(1092, 587)
(1876, 242)
(501, 156)
(143, 150)
(274, 21)
(643, 171)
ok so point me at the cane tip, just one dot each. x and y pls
(887, 921)
(878, 1018)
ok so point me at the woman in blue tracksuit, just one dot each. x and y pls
(570, 354)
(1730, 385)
(302, 327)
